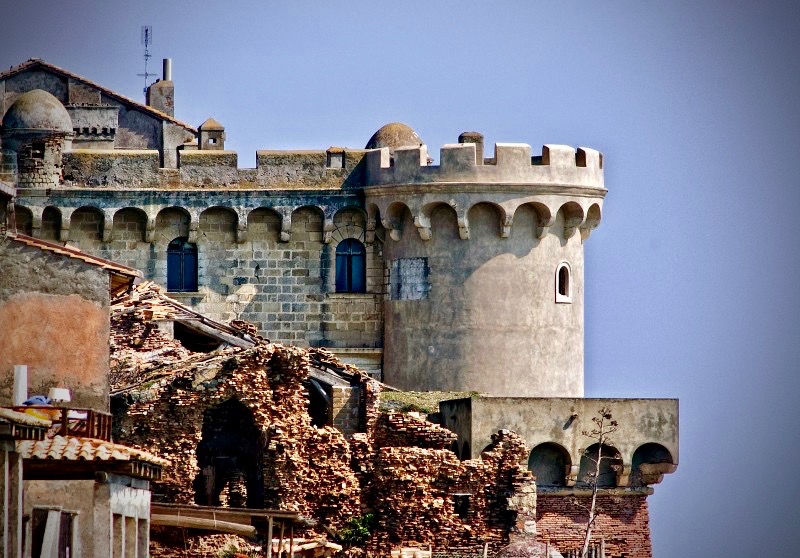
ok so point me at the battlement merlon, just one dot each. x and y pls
(558, 165)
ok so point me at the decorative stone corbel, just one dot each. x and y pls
(423, 224)
(505, 227)
(543, 225)
(572, 475)
(327, 229)
(624, 474)
(150, 229)
(286, 228)
(394, 233)
(571, 224)
(369, 234)
(463, 228)
(108, 224)
(241, 232)
(63, 234)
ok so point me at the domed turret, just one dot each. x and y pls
(394, 135)
(37, 110)
(37, 129)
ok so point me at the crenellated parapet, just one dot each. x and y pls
(561, 180)
(123, 169)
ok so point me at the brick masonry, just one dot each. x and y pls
(623, 522)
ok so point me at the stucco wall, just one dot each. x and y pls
(54, 318)
(490, 322)
(540, 420)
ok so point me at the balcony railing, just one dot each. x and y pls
(85, 423)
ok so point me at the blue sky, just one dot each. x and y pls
(690, 279)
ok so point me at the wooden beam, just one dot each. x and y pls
(206, 524)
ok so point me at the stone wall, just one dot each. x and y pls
(246, 267)
(623, 522)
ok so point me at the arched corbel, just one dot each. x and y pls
(369, 233)
(463, 227)
(150, 228)
(505, 226)
(286, 227)
(327, 229)
(241, 226)
(587, 228)
(624, 475)
(108, 224)
(543, 225)
(423, 224)
(194, 225)
(572, 475)
(66, 217)
(571, 224)
(394, 231)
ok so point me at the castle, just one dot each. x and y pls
(462, 276)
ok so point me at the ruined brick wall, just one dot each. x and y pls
(306, 469)
(623, 522)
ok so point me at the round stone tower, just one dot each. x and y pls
(485, 265)
(38, 129)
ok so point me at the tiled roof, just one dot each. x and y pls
(121, 275)
(36, 62)
(70, 448)
(11, 415)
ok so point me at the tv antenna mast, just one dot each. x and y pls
(147, 38)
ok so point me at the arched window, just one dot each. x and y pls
(351, 267)
(181, 265)
(563, 283)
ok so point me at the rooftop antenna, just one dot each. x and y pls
(147, 38)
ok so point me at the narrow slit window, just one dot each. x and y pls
(563, 283)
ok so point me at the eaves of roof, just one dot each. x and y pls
(72, 448)
(37, 62)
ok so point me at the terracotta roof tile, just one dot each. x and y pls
(71, 448)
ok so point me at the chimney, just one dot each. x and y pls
(477, 139)
(161, 95)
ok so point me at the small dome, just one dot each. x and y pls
(394, 135)
(37, 110)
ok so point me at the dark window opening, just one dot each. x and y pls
(230, 458)
(563, 281)
(37, 150)
(549, 463)
(610, 465)
(351, 267)
(466, 453)
(181, 266)
(195, 340)
(318, 404)
(461, 505)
